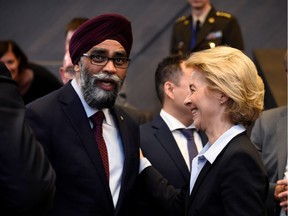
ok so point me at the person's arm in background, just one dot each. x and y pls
(27, 179)
(257, 140)
(281, 194)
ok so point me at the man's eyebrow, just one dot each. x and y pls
(120, 53)
(104, 51)
(99, 51)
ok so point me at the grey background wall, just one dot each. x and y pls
(38, 27)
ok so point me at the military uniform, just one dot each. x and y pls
(219, 28)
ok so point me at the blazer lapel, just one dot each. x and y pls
(199, 181)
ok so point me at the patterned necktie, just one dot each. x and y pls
(188, 133)
(97, 120)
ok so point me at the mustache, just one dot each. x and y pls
(105, 76)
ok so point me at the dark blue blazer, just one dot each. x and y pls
(61, 125)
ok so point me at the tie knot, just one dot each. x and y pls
(188, 133)
(97, 118)
(198, 25)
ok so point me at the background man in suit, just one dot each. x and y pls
(92, 178)
(27, 179)
(161, 140)
(214, 28)
(269, 135)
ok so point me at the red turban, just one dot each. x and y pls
(99, 29)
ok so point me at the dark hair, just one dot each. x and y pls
(73, 24)
(10, 45)
(168, 70)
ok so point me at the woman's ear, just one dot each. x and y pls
(223, 98)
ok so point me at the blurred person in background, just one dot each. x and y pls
(204, 28)
(66, 71)
(27, 179)
(33, 80)
(269, 135)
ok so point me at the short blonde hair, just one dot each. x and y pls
(230, 71)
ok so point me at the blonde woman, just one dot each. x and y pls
(227, 177)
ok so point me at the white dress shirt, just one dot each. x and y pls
(113, 144)
(174, 125)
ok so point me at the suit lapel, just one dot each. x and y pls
(167, 141)
(75, 112)
(199, 181)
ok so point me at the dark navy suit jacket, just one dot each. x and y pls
(61, 125)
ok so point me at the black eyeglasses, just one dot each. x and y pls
(119, 62)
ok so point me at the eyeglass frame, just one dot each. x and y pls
(113, 59)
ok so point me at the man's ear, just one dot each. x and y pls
(169, 89)
(61, 73)
(77, 67)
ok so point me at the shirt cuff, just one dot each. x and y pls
(144, 163)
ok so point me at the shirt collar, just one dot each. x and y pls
(173, 123)
(210, 152)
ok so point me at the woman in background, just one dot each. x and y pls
(33, 80)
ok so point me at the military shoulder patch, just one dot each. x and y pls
(223, 14)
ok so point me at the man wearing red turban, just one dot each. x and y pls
(96, 160)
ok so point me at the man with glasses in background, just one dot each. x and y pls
(92, 144)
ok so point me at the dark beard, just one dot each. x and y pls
(95, 96)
